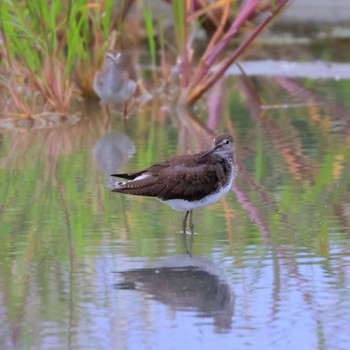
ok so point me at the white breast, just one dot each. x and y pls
(184, 205)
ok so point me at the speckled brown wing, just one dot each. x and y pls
(181, 177)
(192, 183)
(184, 160)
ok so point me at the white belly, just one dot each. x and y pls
(184, 205)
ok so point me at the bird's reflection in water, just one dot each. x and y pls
(187, 284)
(187, 242)
(111, 152)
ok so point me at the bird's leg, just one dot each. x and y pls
(184, 223)
(189, 251)
(108, 111)
(184, 238)
(191, 222)
(125, 111)
(184, 243)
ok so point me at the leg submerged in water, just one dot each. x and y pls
(184, 223)
(191, 222)
(187, 248)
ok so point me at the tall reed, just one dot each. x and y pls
(45, 42)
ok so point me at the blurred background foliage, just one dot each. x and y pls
(63, 233)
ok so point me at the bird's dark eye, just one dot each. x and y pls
(227, 142)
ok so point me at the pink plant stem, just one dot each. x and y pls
(210, 56)
(210, 80)
(238, 22)
(215, 104)
(247, 42)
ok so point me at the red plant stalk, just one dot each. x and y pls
(191, 6)
(18, 101)
(200, 5)
(204, 79)
(238, 22)
(215, 105)
(212, 53)
(220, 28)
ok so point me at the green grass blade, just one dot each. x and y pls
(148, 17)
(179, 23)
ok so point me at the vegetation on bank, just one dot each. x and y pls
(50, 51)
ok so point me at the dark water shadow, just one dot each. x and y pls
(186, 283)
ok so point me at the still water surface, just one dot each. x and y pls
(84, 268)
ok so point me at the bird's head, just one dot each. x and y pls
(223, 145)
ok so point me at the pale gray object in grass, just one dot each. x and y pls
(112, 84)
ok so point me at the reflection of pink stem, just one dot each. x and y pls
(243, 199)
(216, 105)
(300, 165)
(302, 94)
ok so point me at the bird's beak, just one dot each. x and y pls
(209, 151)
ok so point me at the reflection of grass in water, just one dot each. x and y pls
(262, 164)
(301, 191)
(56, 213)
(53, 188)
